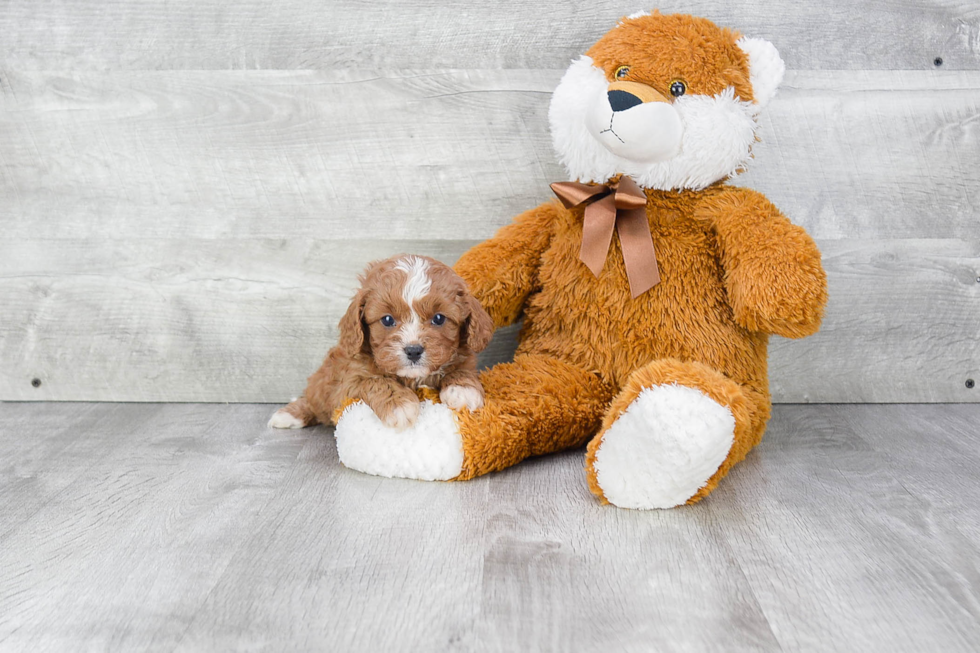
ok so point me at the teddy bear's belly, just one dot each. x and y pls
(593, 322)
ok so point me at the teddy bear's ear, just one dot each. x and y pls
(765, 68)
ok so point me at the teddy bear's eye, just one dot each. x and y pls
(678, 88)
(622, 72)
(388, 321)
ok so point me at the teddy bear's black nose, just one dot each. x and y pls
(414, 352)
(623, 100)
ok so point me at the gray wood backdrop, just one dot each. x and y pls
(189, 187)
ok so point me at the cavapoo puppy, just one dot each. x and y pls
(412, 323)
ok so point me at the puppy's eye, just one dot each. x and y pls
(622, 72)
(438, 319)
(678, 88)
(388, 321)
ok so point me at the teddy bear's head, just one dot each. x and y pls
(669, 100)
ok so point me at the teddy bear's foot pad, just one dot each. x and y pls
(431, 450)
(664, 447)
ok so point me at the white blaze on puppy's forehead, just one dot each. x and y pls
(418, 283)
(411, 331)
(417, 286)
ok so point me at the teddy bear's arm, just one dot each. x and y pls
(773, 274)
(502, 271)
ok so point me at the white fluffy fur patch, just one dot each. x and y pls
(766, 69)
(663, 448)
(283, 420)
(410, 332)
(418, 283)
(431, 450)
(458, 397)
(718, 133)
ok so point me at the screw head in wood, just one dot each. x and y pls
(938, 61)
(36, 383)
(970, 384)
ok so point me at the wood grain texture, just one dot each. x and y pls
(902, 325)
(829, 510)
(248, 320)
(193, 527)
(925, 454)
(290, 34)
(434, 155)
(189, 188)
(157, 501)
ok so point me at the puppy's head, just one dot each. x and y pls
(414, 315)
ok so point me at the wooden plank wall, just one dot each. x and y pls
(188, 188)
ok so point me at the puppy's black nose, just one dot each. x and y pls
(414, 352)
(622, 100)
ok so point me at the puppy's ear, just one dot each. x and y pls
(477, 324)
(353, 331)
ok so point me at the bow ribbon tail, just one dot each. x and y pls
(597, 231)
(574, 193)
(638, 253)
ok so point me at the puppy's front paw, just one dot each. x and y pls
(458, 397)
(401, 415)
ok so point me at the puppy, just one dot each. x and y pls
(412, 323)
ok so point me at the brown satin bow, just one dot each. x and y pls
(620, 204)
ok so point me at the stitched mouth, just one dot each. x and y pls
(610, 129)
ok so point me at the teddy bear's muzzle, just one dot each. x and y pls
(636, 122)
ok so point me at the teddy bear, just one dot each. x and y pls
(648, 287)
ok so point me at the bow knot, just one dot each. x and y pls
(620, 205)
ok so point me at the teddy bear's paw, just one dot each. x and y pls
(664, 447)
(429, 450)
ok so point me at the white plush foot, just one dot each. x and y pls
(283, 420)
(458, 397)
(430, 450)
(663, 448)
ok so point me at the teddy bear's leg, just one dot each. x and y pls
(534, 405)
(671, 434)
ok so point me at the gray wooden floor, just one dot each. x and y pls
(193, 527)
